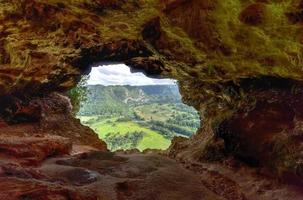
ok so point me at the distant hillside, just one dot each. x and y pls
(102, 100)
(142, 117)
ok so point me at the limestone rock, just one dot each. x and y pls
(238, 62)
(49, 115)
(33, 150)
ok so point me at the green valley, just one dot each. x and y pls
(141, 117)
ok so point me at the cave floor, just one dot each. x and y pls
(96, 175)
(51, 167)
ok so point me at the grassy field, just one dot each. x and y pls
(151, 126)
(155, 112)
(151, 139)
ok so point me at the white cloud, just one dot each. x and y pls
(120, 74)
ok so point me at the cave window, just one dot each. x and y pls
(132, 111)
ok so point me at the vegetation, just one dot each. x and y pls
(129, 140)
(107, 129)
(79, 94)
(142, 117)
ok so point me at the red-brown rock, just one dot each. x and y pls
(254, 14)
(49, 115)
(269, 134)
(18, 189)
(32, 150)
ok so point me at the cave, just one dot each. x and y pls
(130, 110)
(238, 63)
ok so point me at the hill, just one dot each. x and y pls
(108, 100)
(141, 117)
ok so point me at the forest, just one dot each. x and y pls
(137, 117)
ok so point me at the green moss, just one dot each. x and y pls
(250, 46)
(186, 45)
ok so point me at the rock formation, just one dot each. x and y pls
(238, 62)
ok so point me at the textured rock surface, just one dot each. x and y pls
(33, 150)
(40, 116)
(46, 44)
(103, 175)
(238, 62)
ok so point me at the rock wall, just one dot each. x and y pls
(237, 61)
(262, 129)
(44, 116)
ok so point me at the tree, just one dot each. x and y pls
(78, 94)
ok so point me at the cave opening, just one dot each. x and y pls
(129, 110)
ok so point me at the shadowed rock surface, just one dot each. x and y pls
(238, 62)
(104, 175)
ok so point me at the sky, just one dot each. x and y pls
(119, 74)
